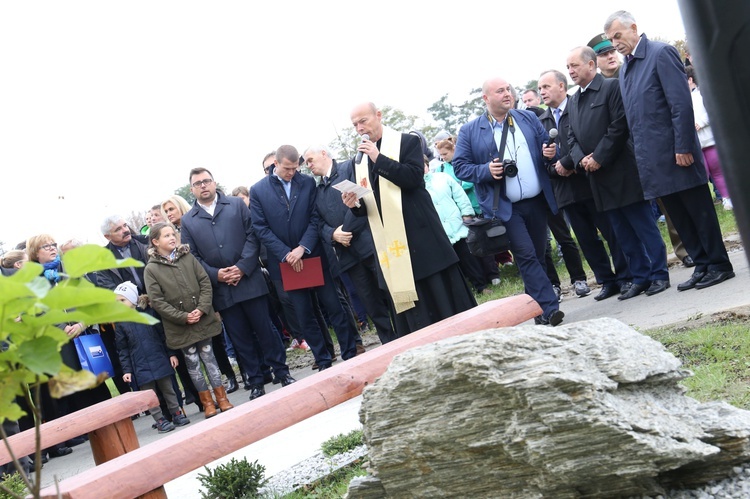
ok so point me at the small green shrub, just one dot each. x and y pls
(342, 443)
(234, 480)
(13, 483)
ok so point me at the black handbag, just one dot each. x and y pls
(488, 236)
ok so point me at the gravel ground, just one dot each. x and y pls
(736, 486)
(309, 471)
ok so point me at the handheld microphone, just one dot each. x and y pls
(552, 136)
(358, 159)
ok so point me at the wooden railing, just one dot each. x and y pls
(144, 470)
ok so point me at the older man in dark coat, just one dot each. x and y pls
(220, 236)
(600, 143)
(660, 115)
(348, 239)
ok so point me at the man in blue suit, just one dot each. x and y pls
(220, 236)
(525, 197)
(284, 215)
(659, 110)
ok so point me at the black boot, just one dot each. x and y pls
(231, 384)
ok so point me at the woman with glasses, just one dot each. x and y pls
(43, 249)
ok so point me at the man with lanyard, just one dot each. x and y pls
(484, 149)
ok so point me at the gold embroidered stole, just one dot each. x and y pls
(389, 231)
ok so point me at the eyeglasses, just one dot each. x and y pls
(199, 183)
(48, 246)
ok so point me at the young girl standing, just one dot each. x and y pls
(180, 291)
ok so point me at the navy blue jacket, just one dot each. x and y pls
(659, 110)
(224, 240)
(283, 224)
(143, 351)
(476, 147)
(333, 212)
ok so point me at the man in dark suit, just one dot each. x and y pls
(286, 220)
(220, 236)
(670, 164)
(122, 244)
(524, 198)
(573, 193)
(416, 260)
(600, 143)
(348, 239)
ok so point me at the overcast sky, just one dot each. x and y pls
(109, 104)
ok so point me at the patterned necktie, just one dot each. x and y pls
(629, 58)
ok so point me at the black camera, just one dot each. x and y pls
(510, 168)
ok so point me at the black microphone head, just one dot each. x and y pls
(553, 133)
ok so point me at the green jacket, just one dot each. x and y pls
(175, 289)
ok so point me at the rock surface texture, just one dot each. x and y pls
(590, 409)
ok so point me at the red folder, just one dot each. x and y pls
(310, 276)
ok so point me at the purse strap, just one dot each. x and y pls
(503, 139)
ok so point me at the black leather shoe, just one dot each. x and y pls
(634, 290)
(285, 380)
(688, 262)
(75, 441)
(267, 378)
(714, 277)
(323, 368)
(657, 286)
(246, 381)
(607, 291)
(625, 287)
(59, 451)
(231, 384)
(690, 283)
(256, 391)
(554, 318)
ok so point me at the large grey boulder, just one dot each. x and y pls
(590, 409)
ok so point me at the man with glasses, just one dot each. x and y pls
(268, 162)
(220, 236)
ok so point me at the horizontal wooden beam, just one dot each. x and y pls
(176, 454)
(80, 422)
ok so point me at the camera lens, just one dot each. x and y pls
(510, 168)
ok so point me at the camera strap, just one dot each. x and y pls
(501, 153)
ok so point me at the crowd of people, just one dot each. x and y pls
(388, 228)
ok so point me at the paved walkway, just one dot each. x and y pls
(302, 440)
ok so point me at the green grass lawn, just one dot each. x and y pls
(718, 353)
